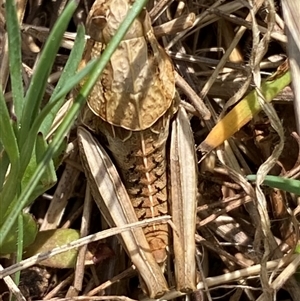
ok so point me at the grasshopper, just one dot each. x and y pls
(133, 106)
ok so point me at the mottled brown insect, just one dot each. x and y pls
(134, 100)
(131, 106)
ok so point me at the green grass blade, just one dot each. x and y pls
(27, 149)
(15, 61)
(14, 179)
(73, 81)
(68, 72)
(48, 178)
(7, 135)
(70, 117)
(11, 189)
(289, 185)
(4, 163)
(19, 246)
(38, 82)
(12, 186)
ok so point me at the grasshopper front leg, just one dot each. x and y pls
(183, 170)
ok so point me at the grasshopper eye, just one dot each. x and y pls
(99, 21)
(95, 24)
